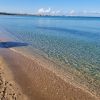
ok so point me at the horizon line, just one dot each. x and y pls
(30, 14)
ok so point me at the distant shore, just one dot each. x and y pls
(16, 14)
(25, 14)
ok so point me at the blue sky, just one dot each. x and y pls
(51, 6)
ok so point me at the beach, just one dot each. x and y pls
(35, 81)
(50, 50)
(40, 62)
(9, 90)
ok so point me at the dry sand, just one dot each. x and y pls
(34, 81)
(9, 90)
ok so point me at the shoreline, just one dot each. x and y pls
(75, 77)
(40, 83)
(67, 75)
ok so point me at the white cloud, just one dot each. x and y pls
(44, 11)
(41, 10)
(48, 11)
(72, 12)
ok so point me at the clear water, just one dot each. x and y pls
(68, 40)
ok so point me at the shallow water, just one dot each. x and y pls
(73, 41)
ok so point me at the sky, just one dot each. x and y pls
(54, 7)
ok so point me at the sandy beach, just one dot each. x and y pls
(9, 89)
(50, 50)
(29, 80)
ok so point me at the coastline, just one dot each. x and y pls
(39, 83)
(42, 15)
(67, 75)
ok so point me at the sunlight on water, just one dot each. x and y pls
(69, 41)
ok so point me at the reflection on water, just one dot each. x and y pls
(69, 41)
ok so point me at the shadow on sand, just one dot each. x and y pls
(10, 44)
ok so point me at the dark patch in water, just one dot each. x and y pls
(12, 44)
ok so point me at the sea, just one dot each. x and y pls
(71, 42)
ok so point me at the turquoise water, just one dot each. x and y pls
(73, 41)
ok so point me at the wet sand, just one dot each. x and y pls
(39, 83)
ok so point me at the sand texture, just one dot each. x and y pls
(38, 83)
(9, 90)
